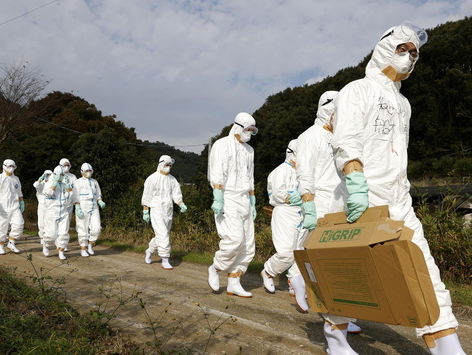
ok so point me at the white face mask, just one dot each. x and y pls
(166, 169)
(245, 136)
(66, 168)
(88, 174)
(9, 171)
(402, 62)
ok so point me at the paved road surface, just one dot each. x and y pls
(185, 310)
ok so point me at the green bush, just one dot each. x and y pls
(449, 240)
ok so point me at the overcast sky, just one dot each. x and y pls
(178, 71)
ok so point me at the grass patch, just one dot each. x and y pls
(461, 293)
(41, 322)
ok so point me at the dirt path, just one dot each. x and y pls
(185, 310)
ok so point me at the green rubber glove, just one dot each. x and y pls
(56, 178)
(218, 201)
(183, 208)
(78, 212)
(66, 180)
(309, 220)
(22, 206)
(101, 204)
(358, 200)
(294, 198)
(146, 216)
(252, 201)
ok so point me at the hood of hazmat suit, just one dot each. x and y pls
(386, 65)
(165, 164)
(86, 170)
(63, 163)
(326, 107)
(244, 125)
(9, 166)
(291, 151)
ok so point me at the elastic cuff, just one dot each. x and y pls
(235, 274)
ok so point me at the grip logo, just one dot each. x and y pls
(340, 235)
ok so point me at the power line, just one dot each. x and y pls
(154, 145)
(28, 12)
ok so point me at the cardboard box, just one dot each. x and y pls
(369, 270)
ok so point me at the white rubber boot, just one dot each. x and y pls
(353, 328)
(165, 264)
(45, 250)
(11, 245)
(83, 252)
(268, 282)
(148, 257)
(213, 278)
(336, 340)
(447, 345)
(2, 250)
(61, 255)
(298, 285)
(90, 249)
(234, 288)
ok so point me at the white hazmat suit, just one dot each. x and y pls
(87, 194)
(231, 166)
(59, 198)
(11, 198)
(286, 223)
(371, 126)
(161, 190)
(39, 186)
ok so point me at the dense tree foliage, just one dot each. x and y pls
(71, 127)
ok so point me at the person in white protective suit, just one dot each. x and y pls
(59, 197)
(88, 197)
(370, 143)
(161, 190)
(287, 218)
(66, 165)
(318, 184)
(231, 176)
(39, 186)
(12, 207)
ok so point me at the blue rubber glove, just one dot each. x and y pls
(56, 177)
(358, 200)
(218, 198)
(252, 201)
(101, 204)
(183, 208)
(146, 216)
(22, 206)
(43, 177)
(309, 221)
(78, 212)
(294, 198)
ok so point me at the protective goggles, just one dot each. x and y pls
(407, 28)
(167, 163)
(9, 166)
(252, 129)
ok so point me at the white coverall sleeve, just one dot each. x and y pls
(277, 187)
(218, 164)
(99, 191)
(147, 192)
(176, 192)
(306, 164)
(36, 185)
(20, 193)
(349, 125)
(251, 170)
